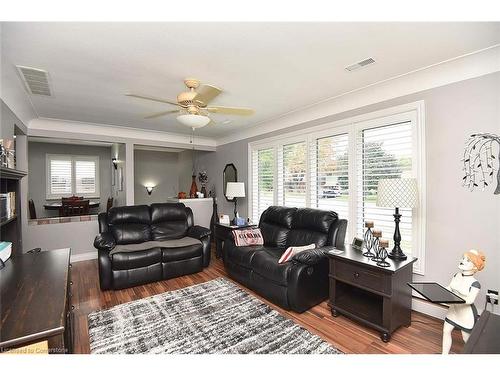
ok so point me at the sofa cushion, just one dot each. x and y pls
(137, 259)
(173, 254)
(265, 263)
(275, 223)
(313, 220)
(168, 221)
(242, 255)
(177, 243)
(302, 237)
(129, 224)
(273, 235)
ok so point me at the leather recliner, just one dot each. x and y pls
(142, 244)
(300, 283)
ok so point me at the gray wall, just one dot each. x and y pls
(37, 171)
(185, 165)
(159, 169)
(457, 220)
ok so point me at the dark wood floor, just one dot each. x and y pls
(423, 336)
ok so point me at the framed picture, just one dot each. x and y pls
(120, 179)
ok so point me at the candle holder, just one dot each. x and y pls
(368, 237)
(382, 254)
(375, 244)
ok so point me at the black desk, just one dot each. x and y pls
(485, 336)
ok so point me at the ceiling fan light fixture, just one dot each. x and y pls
(193, 121)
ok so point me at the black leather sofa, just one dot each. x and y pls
(142, 244)
(300, 283)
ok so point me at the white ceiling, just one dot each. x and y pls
(274, 68)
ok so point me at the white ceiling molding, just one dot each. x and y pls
(454, 70)
(42, 127)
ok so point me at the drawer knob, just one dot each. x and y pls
(356, 275)
(72, 307)
(71, 283)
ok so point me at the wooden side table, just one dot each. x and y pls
(375, 296)
(224, 232)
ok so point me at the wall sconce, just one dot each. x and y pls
(149, 189)
(115, 163)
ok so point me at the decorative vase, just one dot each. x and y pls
(194, 188)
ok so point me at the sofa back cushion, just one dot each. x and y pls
(310, 226)
(129, 224)
(275, 224)
(168, 221)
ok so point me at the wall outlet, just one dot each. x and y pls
(492, 296)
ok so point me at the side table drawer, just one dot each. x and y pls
(354, 274)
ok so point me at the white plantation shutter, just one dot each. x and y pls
(60, 180)
(85, 177)
(329, 174)
(72, 175)
(383, 152)
(263, 167)
(292, 167)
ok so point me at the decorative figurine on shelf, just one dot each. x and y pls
(463, 315)
(368, 237)
(203, 178)
(383, 244)
(194, 188)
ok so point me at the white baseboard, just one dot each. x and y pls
(83, 256)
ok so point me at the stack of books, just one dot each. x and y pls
(7, 205)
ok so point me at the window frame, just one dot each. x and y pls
(413, 112)
(73, 159)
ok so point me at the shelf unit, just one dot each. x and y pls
(10, 229)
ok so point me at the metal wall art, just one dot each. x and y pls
(480, 163)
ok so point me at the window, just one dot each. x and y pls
(72, 175)
(384, 152)
(337, 167)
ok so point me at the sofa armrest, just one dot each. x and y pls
(198, 232)
(309, 257)
(104, 241)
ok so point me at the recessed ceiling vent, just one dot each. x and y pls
(35, 80)
(360, 64)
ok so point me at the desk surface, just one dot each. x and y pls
(33, 296)
(354, 255)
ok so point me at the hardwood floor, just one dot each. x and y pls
(423, 336)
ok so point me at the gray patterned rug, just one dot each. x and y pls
(213, 317)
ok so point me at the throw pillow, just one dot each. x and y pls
(248, 237)
(293, 250)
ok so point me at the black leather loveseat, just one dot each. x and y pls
(142, 244)
(300, 283)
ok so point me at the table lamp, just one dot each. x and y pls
(397, 193)
(235, 190)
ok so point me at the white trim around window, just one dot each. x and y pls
(69, 176)
(348, 130)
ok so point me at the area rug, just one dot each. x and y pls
(213, 317)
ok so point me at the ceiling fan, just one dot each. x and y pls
(194, 104)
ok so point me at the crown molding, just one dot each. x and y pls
(461, 68)
(45, 127)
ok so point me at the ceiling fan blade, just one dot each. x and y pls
(205, 94)
(231, 110)
(159, 114)
(152, 98)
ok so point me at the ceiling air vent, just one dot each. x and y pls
(360, 64)
(35, 80)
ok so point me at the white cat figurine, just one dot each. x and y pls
(463, 316)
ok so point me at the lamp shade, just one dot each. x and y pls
(397, 192)
(235, 189)
(193, 121)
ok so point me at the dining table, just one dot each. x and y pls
(57, 205)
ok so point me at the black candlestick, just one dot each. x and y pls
(396, 253)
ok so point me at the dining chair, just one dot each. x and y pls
(32, 209)
(75, 207)
(109, 204)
